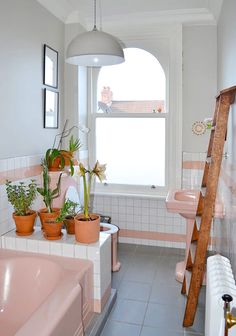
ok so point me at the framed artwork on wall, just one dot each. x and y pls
(51, 108)
(50, 68)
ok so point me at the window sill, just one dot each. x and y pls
(130, 195)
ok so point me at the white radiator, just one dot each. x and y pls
(220, 280)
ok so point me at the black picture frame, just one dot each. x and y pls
(51, 108)
(50, 67)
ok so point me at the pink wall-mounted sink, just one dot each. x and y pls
(184, 202)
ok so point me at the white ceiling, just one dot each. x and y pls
(198, 11)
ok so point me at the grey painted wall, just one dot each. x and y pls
(227, 45)
(199, 82)
(24, 27)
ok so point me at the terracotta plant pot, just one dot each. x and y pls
(87, 231)
(70, 225)
(45, 216)
(52, 230)
(55, 166)
(25, 224)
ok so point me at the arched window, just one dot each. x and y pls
(130, 122)
(136, 86)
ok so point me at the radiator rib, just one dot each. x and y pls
(220, 280)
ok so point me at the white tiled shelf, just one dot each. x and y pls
(99, 253)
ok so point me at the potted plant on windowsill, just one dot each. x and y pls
(21, 196)
(69, 210)
(52, 227)
(57, 159)
(69, 155)
(48, 195)
(87, 225)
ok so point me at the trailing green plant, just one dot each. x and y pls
(48, 194)
(21, 196)
(68, 210)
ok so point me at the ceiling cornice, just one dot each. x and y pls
(65, 11)
(186, 16)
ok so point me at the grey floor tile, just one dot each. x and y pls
(122, 247)
(167, 295)
(129, 311)
(171, 261)
(166, 275)
(165, 317)
(149, 298)
(202, 298)
(125, 258)
(145, 259)
(149, 331)
(113, 328)
(134, 291)
(140, 274)
(199, 323)
(149, 250)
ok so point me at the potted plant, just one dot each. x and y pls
(57, 158)
(52, 227)
(68, 212)
(74, 146)
(87, 225)
(21, 196)
(48, 195)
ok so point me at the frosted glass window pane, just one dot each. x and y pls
(133, 148)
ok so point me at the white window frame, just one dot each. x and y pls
(173, 115)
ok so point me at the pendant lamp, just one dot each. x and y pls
(94, 48)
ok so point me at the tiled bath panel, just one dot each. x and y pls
(137, 214)
(99, 253)
(149, 302)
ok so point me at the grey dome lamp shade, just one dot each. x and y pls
(94, 48)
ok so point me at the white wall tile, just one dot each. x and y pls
(21, 244)
(44, 246)
(93, 253)
(32, 246)
(55, 248)
(10, 243)
(80, 251)
(68, 250)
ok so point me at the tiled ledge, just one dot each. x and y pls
(99, 253)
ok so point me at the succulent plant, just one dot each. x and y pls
(21, 196)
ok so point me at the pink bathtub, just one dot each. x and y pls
(44, 295)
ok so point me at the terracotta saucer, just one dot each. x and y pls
(52, 238)
(24, 234)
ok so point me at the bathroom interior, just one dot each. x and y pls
(130, 280)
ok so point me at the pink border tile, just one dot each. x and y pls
(20, 173)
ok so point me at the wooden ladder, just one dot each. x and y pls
(195, 268)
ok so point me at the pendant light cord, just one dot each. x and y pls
(100, 15)
(95, 15)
